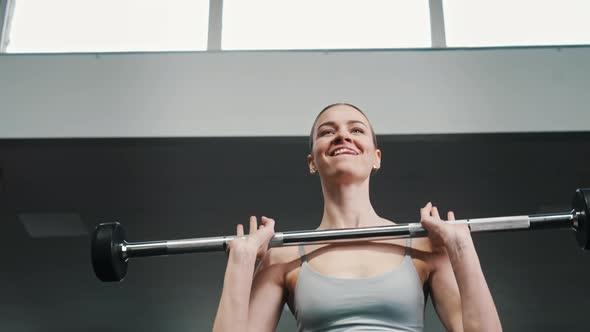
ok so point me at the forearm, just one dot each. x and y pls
(232, 313)
(478, 310)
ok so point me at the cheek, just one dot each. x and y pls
(319, 147)
(315, 155)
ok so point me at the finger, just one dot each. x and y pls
(267, 221)
(435, 212)
(425, 211)
(269, 226)
(451, 215)
(240, 230)
(253, 224)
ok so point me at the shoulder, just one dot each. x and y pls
(432, 257)
(283, 255)
(422, 246)
(279, 260)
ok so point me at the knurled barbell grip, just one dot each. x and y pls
(479, 225)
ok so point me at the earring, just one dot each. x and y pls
(375, 167)
(312, 171)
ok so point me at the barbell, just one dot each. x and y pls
(111, 252)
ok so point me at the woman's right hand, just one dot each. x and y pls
(256, 242)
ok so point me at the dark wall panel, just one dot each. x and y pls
(186, 187)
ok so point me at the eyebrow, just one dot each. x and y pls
(333, 124)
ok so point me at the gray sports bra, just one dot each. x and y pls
(392, 301)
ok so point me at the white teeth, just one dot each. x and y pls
(339, 151)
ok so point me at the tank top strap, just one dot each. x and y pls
(302, 254)
(408, 246)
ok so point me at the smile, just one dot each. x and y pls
(344, 151)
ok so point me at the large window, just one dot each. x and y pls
(472, 23)
(44, 26)
(325, 24)
(108, 25)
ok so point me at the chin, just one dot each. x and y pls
(347, 175)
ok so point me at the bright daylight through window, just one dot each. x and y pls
(471, 23)
(325, 24)
(40, 26)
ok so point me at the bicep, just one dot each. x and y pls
(445, 295)
(267, 299)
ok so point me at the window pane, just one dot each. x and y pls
(108, 25)
(325, 24)
(521, 22)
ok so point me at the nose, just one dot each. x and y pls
(342, 135)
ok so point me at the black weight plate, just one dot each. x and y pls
(580, 204)
(105, 249)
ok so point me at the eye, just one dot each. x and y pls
(358, 130)
(325, 132)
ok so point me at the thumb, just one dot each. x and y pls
(267, 229)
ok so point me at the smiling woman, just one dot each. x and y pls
(333, 130)
(379, 285)
(340, 104)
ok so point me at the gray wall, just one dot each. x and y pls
(278, 93)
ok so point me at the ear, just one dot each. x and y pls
(311, 164)
(377, 161)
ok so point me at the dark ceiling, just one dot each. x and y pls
(166, 188)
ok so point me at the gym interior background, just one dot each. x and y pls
(187, 144)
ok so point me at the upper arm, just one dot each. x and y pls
(445, 293)
(267, 297)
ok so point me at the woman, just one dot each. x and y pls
(368, 286)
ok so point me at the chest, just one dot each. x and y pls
(355, 263)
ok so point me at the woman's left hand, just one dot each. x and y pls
(440, 232)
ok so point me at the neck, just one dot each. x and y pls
(348, 206)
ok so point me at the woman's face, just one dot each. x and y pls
(343, 145)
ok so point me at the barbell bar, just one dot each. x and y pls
(111, 252)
